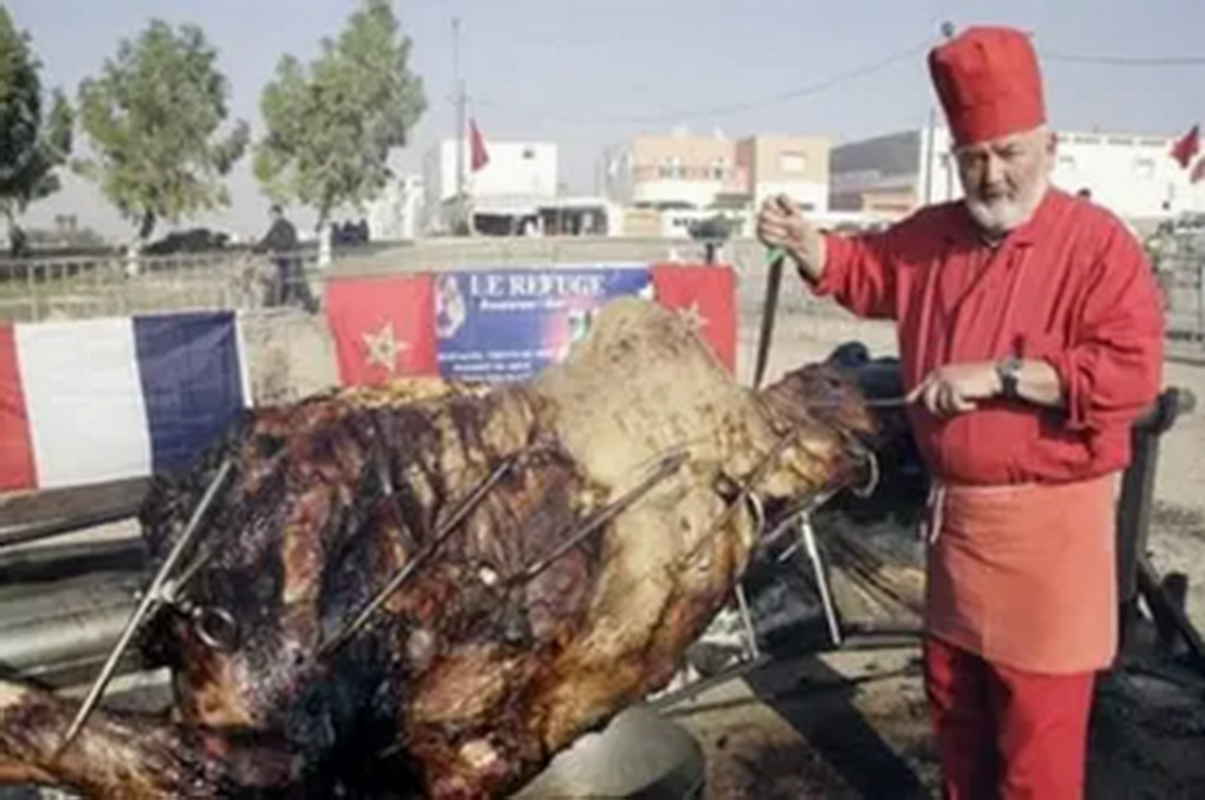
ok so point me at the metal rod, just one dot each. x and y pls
(808, 534)
(59, 527)
(149, 599)
(64, 621)
(789, 519)
(742, 603)
(868, 402)
(743, 493)
(769, 312)
(576, 536)
(399, 578)
(1163, 607)
(735, 672)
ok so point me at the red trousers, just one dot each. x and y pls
(1003, 734)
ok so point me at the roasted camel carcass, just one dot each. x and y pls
(551, 548)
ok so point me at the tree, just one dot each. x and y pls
(330, 127)
(153, 118)
(33, 144)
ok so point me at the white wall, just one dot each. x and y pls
(514, 168)
(615, 179)
(1135, 176)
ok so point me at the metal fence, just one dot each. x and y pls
(88, 287)
(1180, 267)
(81, 287)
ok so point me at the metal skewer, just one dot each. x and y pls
(442, 534)
(575, 537)
(769, 311)
(153, 595)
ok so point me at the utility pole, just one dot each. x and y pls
(947, 33)
(462, 214)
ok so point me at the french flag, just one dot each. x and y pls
(91, 401)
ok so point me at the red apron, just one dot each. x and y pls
(1025, 576)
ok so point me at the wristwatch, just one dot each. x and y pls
(1009, 371)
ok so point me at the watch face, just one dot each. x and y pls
(1007, 370)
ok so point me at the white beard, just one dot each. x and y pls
(1000, 215)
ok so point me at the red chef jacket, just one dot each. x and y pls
(1072, 287)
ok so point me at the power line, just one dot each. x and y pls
(1126, 61)
(734, 108)
(829, 83)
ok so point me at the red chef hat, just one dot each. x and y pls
(989, 83)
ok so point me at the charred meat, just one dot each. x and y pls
(551, 548)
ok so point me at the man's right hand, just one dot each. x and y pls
(780, 224)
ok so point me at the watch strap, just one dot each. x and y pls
(1008, 370)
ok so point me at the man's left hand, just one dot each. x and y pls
(956, 388)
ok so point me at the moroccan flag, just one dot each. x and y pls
(706, 295)
(1198, 172)
(384, 327)
(479, 155)
(1186, 149)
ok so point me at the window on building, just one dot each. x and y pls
(719, 169)
(1144, 167)
(528, 153)
(1067, 162)
(793, 162)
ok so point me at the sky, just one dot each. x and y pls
(587, 75)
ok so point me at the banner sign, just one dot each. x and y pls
(508, 324)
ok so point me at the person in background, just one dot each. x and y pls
(289, 284)
(1031, 339)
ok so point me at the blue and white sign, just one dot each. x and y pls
(508, 324)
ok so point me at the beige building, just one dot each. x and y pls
(688, 176)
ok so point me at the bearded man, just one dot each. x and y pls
(1031, 339)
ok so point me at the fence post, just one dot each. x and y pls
(1199, 333)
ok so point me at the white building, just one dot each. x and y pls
(517, 180)
(398, 211)
(1132, 175)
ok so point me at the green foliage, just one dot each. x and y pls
(153, 118)
(33, 143)
(330, 126)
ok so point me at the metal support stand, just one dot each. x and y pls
(807, 540)
(1136, 579)
(752, 657)
(747, 622)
